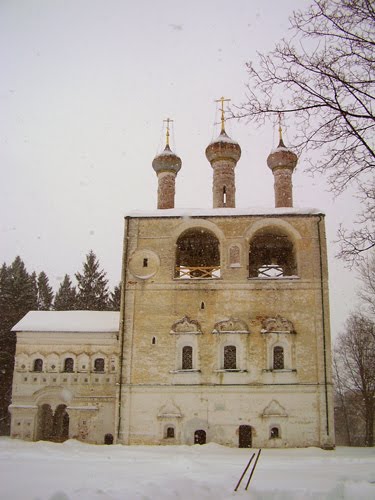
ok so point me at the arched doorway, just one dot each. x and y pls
(60, 424)
(45, 422)
(200, 437)
(245, 436)
(53, 426)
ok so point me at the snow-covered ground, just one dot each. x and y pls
(72, 470)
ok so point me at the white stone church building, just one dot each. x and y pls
(223, 333)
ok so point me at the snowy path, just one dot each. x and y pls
(48, 471)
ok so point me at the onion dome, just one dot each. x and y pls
(166, 161)
(223, 148)
(282, 157)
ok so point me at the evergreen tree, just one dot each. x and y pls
(66, 296)
(92, 286)
(17, 297)
(45, 293)
(115, 298)
(34, 286)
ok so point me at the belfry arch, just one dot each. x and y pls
(272, 254)
(197, 254)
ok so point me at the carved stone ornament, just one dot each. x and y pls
(186, 325)
(231, 325)
(274, 409)
(277, 325)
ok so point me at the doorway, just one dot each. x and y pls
(245, 436)
(200, 437)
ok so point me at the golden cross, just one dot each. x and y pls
(222, 100)
(168, 120)
(280, 129)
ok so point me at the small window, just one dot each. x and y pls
(170, 432)
(38, 365)
(274, 433)
(230, 355)
(202, 305)
(153, 342)
(278, 358)
(224, 196)
(187, 357)
(68, 365)
(99, 365)
(145, 262)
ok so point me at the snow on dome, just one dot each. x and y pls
(223, 148)
(69, 321)
(166, 161)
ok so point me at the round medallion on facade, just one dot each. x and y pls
(144, 264)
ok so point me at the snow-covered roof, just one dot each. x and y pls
(69, 321)
(223, 212)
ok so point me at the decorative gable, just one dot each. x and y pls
(277, 325)
(169, 410)
(186, 325)
(231, 325)
(274, 409)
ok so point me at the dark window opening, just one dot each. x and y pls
(108, 439)
(153, 340)
(271, 255)
(145, 262)
(38, 365)
(278, 358)
(68, 365)
(230, 362)
(275, 433)
(99, 365)
(202, 305)
(187, 357)
(170, 432)
(200, 437)
(197, 255)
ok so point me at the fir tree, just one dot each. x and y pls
(115, 298)
(17, 297)
(45, 293)
(92, 286)
(66, 296)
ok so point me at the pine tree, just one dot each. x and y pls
(45, 293)
(92, 286)
(115, 298)
(66, 296)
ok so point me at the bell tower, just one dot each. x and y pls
(223, 154)
(166, 165)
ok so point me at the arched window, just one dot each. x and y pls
(271, 255)
(278, 358)
(274, 433)
(187, 357)
(68, 365)
(197, 255)
(99, 365)
(170, 432)
(38, 365)
(153, 341)
(230, 355)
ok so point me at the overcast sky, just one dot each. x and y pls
(84, 90)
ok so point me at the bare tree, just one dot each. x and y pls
(355, 363)
(324, 76)
(366, 271)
